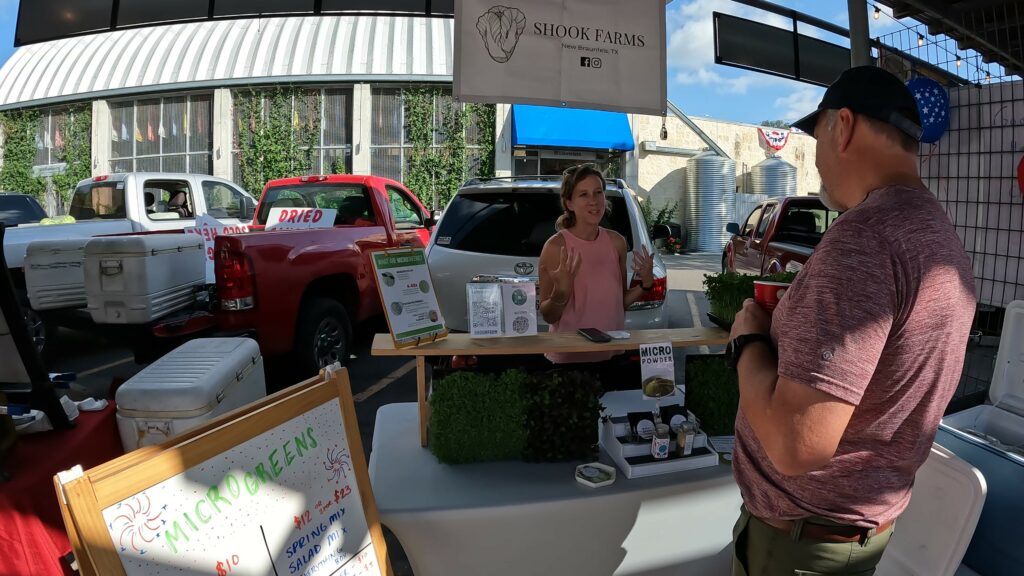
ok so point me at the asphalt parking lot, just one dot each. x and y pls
(376, 381)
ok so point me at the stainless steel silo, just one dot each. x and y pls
(708, 200)
(774, 177)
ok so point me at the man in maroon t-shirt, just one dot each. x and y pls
(842, 389)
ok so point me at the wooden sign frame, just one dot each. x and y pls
(83, 499)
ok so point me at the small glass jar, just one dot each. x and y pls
(660, 443)
(684, 437)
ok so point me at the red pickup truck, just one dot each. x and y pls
(779, 235)
(299, 292)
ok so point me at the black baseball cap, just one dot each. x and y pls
(871, 91)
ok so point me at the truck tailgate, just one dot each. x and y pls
(785, 257)
(794, 249)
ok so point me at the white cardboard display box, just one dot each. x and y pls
(634, 459)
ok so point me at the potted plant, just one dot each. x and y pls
(712, 393)
(549, 416)
(655, 217)
(478, 416)
(673, 245)
(726, 292)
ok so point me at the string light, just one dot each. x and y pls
(938, 46)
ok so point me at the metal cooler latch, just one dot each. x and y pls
(110, 267)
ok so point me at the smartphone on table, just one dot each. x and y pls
(594, 335)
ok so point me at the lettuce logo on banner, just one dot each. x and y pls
(501, 27)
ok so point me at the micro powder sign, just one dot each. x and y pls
(603, 54)
(657, 370)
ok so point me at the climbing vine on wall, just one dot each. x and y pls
(484, 119)
(19, 127)
(453, 150)
(77, 152)
(436, 171)
(275, 138)
(424, 165)
(338, 166)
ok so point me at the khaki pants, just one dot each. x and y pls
(761, 550)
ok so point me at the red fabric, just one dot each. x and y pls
(1020, 176)
(32, 535)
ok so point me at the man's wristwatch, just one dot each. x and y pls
(734, 349)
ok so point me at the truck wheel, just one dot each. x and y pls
(42, 332)
(322, 337)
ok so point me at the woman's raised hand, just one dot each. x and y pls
(643, 266)
(563, 276)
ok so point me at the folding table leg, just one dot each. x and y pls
(421, 389)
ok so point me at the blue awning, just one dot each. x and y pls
(570, 128)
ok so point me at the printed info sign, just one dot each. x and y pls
(407, 296)
(657, 370)
(603, 54)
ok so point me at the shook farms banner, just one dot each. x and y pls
(603, 54)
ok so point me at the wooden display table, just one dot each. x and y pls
(463, 345)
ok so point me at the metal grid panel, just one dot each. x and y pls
(992, 27)
(973, 172)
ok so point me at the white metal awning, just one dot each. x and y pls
(225, 53)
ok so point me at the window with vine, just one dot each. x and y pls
(168, 134)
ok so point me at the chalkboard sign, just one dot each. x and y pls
(276, 488)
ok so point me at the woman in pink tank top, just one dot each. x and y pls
(583, 266)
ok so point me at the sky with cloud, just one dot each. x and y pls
(702, 88)
(695, 83)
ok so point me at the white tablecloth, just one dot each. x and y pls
(516, 518)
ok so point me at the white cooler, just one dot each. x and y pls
(191, 385)
(54, 275)
(991, 437)
(137, 279)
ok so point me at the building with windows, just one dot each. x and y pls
(173, 98)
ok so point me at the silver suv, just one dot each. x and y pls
(495, 228)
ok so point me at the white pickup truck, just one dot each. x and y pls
(127, 203)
